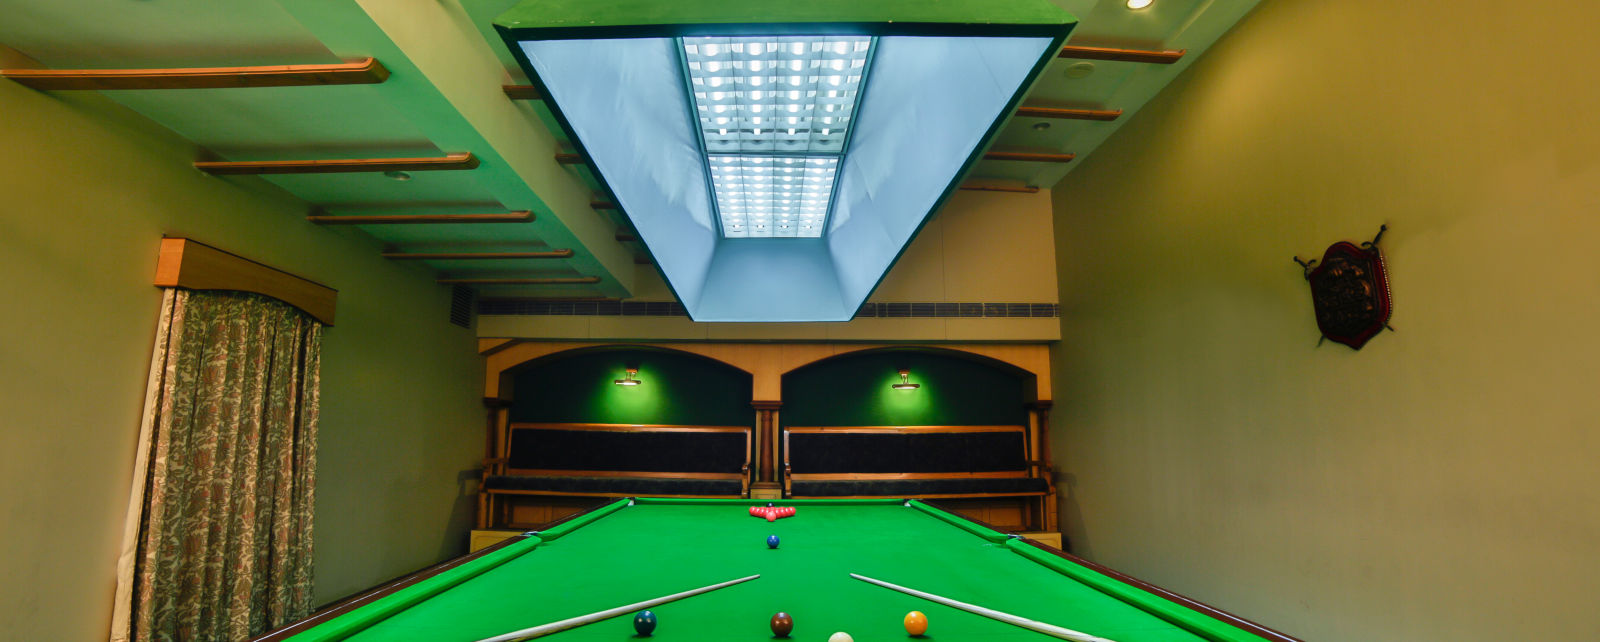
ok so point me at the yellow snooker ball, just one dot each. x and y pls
(916, 623)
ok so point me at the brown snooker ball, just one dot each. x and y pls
(782, 624)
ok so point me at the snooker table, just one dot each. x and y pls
(632, 550)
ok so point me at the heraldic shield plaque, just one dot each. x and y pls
(1350, 291)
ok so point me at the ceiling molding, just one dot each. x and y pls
(406, 219)
(470, 256)
(448, 162)
(360, 72)
(1159, 57)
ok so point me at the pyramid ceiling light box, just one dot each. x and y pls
(777, 157)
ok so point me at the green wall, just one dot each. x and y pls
(89, 189)
(677, 389)
(1442, 483)
(854, 391)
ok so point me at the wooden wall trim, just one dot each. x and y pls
(455, 161)
(185, 263)
(627, 427)
(357, 72)
(766, 362)
(1159, 56)
(903, 429)
(1004, 474)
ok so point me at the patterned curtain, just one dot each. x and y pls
(218, 540)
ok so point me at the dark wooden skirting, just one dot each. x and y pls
(458, 161)
(523, 216)
(1031, 157)
(521, 92)
(921, 497)
(559, 280)
(456, 256)
(1196, 605)
(1070, 114)
(562, 493)
(358, 600)
(602, 205)
(568, 158)
(1159, 57)
(903, 429)
(999, 474)
(626, 238)
(628, 427)
(562, 472)
(357, 72)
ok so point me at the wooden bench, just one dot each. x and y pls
(923, 462)
(615, 460)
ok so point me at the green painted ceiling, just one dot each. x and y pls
(444, 96)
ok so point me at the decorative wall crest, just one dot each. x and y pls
(1350, 291)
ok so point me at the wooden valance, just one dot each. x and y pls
(188, 264)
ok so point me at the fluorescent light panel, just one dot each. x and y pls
(775, 116)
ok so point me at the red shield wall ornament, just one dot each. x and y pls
(1350, 292)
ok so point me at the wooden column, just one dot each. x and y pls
(766, 444)
(1041, 421)
(493, 440)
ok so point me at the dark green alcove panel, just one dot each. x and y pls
(677, 389)
(854, 390)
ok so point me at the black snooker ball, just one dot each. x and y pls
(769, 504)
(644, 622)
(782, 624)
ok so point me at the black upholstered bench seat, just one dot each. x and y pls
(614, 485)
(909, 461)
(919, 487)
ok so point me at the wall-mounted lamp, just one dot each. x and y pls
(905, 384)
(628, 378)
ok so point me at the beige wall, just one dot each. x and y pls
(990, 247)
(1440, 484)
(86, 191)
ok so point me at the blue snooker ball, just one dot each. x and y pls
(772, 541)
(644, 622)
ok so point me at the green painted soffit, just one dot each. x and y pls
(656, 14)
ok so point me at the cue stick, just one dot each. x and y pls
(1047, 629)
(553, 627)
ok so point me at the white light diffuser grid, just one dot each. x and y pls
(775, 115)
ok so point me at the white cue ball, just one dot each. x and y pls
(841, 637)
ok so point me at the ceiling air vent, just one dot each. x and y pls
(461, 306)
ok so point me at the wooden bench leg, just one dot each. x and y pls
(1050, 513)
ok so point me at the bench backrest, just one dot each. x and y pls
(634, 450)
(906, 451)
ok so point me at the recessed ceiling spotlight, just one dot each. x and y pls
(1139, 4)
(1041, 126)
(1080, 69)
(398, 175)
